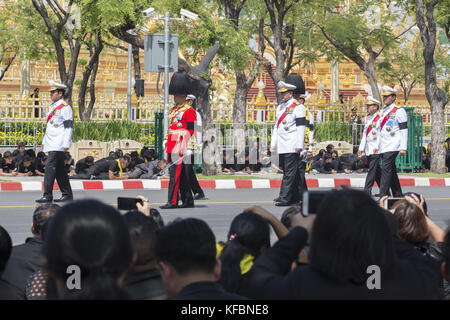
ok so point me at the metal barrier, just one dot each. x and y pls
(413, 158)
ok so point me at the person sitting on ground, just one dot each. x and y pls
(143, 280)
(68, 162)
(25, 167)
(186, 252)
(25, 258)
(94, 237)
(352, 248)
(309, 160)
(334, 156)
(7, 168)
(19, 153)
(7, 290)
(135, 160)
(112, 156)
(248, 237)
(324, 165)
(227, 163)
(105, 169)
(149, 170)
(82, 166)
(39, 165)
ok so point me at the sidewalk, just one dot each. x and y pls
(355, 180)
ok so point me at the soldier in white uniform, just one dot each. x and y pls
(288, 137)
(301, 95)
(393, 141)
(57, 140)
(192, 178)
(369, 143)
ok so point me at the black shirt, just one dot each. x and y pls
(7, 168)
(24, 260)
(145, 285)
(105, 165)
(22, 169)
(38, 165)
(81, 166)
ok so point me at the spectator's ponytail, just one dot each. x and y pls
(231, 257)
(249, 234)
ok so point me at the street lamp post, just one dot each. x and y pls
(129, 84)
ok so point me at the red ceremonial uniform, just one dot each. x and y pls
(181, 127)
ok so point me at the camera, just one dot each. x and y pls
(148, 12)
(188, 14)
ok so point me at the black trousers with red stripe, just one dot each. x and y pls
(179, 187)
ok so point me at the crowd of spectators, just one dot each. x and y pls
(136, 255)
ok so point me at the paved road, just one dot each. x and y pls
(16, 208)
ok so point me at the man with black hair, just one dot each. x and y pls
(39, 165)
(7, 166)
(57, 140)
(82, 166)
(149, 170)
(143, 281)
(19, 153)
(186, 252)
(25, 258)
(25, 167)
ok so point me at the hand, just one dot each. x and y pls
(402, 152)
(333, 171)
(382, 200)
(145, 207)
(359, 153)
(14, 173)
(65, 149)
(375, 151)
(418, 202)
(272, 149)
(260, 211)
(298, 220)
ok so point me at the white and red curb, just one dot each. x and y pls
(215, 184)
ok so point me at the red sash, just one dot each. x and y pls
(394, 110)
(62, 105)
(373, 121)
(285, 113)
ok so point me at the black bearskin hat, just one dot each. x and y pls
(180, 83)
(296, 80)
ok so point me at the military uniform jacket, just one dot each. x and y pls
(182, 119)
(370, 137)
(394, 133)
(58, 134)
(289, 134)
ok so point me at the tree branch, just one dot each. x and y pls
(206, 60)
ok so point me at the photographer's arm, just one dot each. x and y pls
(278, 227)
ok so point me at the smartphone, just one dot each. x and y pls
(389, 202)
(311, 201)
(127, 203)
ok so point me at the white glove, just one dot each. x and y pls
(164, 144)
(190, 152)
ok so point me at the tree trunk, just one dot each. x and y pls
(435, 96)
(369, 72)
(2, 74)
(89, 73)
(239, 112)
